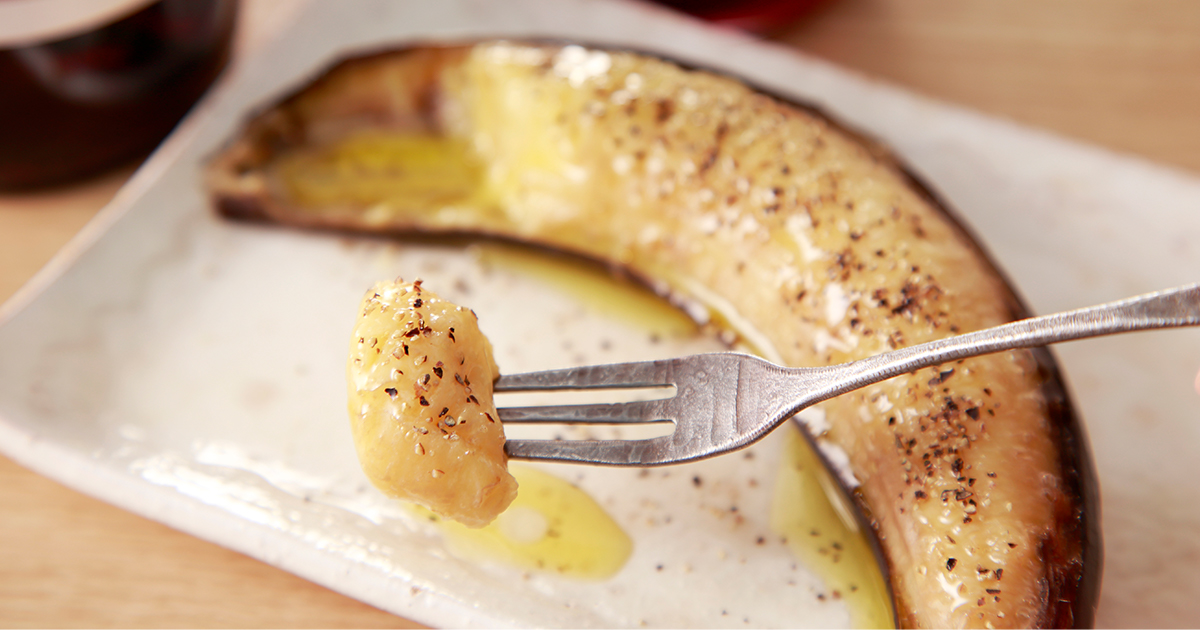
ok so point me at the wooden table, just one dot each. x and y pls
(1120, 73)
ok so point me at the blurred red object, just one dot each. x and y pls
(758, 16)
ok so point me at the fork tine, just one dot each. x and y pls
(634, 411)
(646, 452)
(636, 374)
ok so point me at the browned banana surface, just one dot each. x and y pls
(767, 218)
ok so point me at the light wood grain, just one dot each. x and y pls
(69, 560)
(1124, 74)
(1120, 73)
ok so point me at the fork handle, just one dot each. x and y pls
(1171, 308)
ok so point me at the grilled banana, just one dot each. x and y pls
(810, 244)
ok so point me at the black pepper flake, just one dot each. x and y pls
(920, 494)
(950, 563)
(664, 109)
(472, 399)
(444, 411)
(458, 378)
(451, 333)
(697, 481)
(424, 403)
(391, 391)
(992, 591)
(490, 418)
(438, 371)
(412, 332)
(999, 573)
(973, 413)
(941, 377)
(417, 303)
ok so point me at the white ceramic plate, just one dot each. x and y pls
(191, 370)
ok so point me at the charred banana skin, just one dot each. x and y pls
(813, 245)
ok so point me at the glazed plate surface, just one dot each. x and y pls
(192, 370)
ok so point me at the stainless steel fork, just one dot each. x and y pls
(725, 401)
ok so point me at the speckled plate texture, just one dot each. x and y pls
(191, 370)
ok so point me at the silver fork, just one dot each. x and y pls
(726, 401)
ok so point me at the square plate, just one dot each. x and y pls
(191, 370)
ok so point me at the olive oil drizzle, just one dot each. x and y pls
(552, 526)
(825, 537)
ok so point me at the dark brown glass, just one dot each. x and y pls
(81, 105)
(759, 16)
